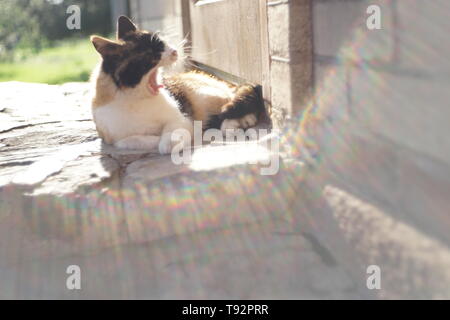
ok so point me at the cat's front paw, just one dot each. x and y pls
(169, 141)
(229, 124)
(165, 145)
(245, 122)
(248, 121)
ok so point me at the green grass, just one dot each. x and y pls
(66, 62)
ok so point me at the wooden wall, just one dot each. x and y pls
(262, 41)
(159, 15)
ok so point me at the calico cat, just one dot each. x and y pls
(135, 107)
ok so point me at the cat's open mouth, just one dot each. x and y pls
(153, 85)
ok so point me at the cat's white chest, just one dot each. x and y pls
(142, 118)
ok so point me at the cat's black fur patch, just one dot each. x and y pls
(180, 97)
(140, 53)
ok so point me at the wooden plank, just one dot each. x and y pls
(227, 35)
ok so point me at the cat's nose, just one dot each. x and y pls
(174, 53)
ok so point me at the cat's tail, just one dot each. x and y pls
(243, 111)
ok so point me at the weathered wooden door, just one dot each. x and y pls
(231, 36)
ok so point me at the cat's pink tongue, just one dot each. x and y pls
(153, 85)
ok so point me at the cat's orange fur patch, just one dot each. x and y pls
(206, 94)
(105, 89)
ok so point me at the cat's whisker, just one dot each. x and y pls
(205, 54)
(182, 43)
(188, 63)
(171, 34)
(185, 39)
(155, 35)
(170, 28)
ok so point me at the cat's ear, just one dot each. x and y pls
(124, 26)
(105, 46)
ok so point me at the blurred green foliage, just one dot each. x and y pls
(65, 61)
(28, 26)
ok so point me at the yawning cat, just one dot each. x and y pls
(134, 107)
